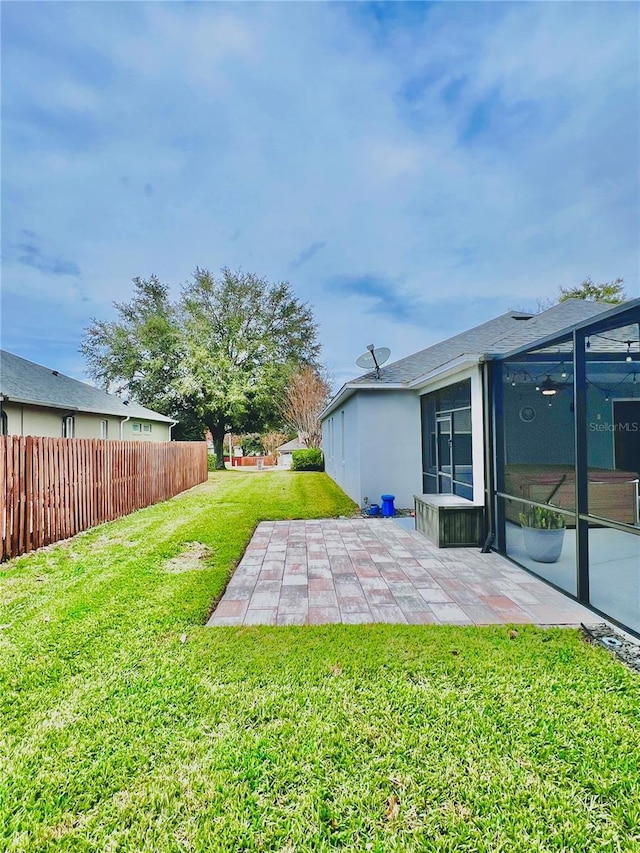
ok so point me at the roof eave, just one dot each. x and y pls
(452, 366)
(24, 402)
(150, 416)
(350, 389)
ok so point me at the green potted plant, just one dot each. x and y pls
(543, 531)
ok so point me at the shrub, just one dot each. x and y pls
(541, 519)
(307, 460)
(211, 462)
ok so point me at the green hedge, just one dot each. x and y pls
(307, 460)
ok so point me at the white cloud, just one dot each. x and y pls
(475, 150)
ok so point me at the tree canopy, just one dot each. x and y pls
(220, 357)
(610, 291)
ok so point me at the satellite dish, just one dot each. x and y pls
(373, 358)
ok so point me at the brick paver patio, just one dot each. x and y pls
(373, 570)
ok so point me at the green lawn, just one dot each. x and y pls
(117, 733)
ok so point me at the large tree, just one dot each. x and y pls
(220, 357)
(609, 291)
(141, 355)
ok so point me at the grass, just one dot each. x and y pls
(128, 726)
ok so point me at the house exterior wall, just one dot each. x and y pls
(159, 431)
(373, 443)
(372, 446)
(341, 447)
(88, 426)
(23, 419)
(390, 447)
(531, 442)
(477, 432)
(32, 420)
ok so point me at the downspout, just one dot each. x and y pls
(122, 423)
(171, 426)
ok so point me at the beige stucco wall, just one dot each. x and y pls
(159, 431)
(32, 420)
(88, 426)
(38, 420)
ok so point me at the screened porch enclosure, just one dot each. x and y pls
(566, 425)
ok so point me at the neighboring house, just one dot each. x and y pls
(285, 452)
(36, 400)
(521, 410)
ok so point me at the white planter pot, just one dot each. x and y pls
(543, 546)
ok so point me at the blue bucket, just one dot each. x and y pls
(374, 509)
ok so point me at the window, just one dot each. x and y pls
(139, 428)
(68, 426)
(104, 429)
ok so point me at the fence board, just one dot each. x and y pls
(52, 488)
(28, 493)
(17, 477)
(3, 500)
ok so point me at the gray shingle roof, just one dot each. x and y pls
(476, 340)
(294, 444)
(26, 382)
(500, 335)
(562, 316)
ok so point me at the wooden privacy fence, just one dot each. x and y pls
(52, 488)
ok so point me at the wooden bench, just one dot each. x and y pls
(449, 521)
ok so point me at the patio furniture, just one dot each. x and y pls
(449, 521)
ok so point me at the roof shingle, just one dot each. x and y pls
(500, 335)
(26, 382)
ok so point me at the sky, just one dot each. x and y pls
(411, 169)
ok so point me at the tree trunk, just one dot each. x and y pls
(217, 432)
